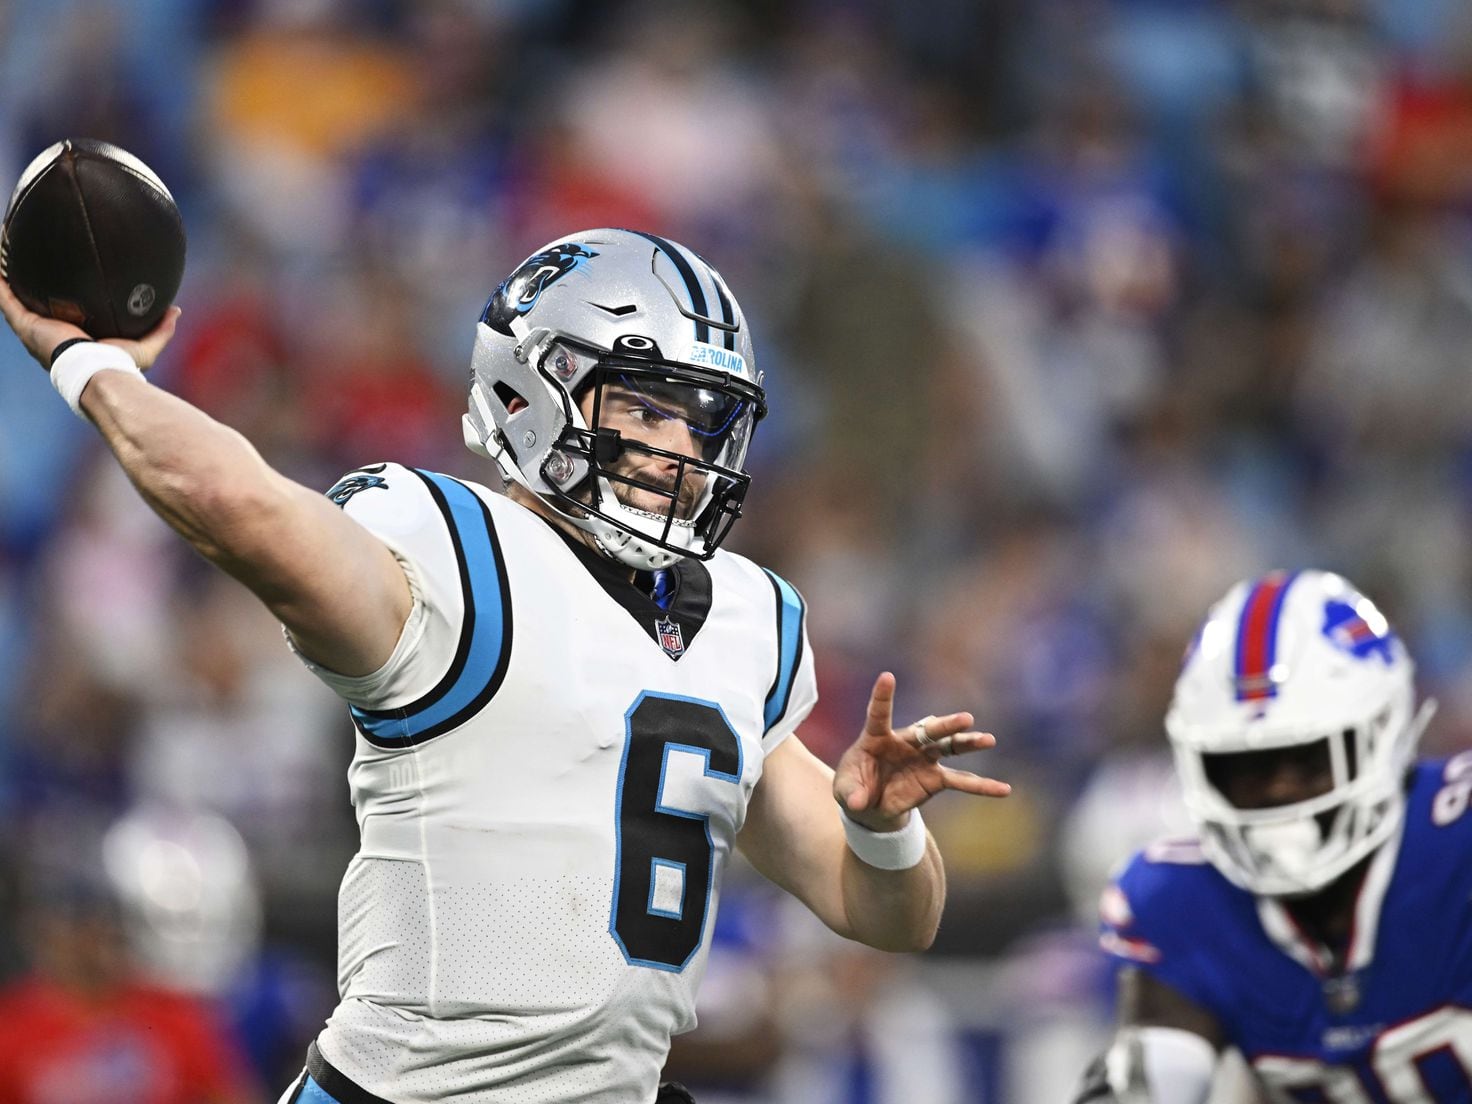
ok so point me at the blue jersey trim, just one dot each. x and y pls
(484, 649)
(313, 1093)
(325, 1084)
(790, 614)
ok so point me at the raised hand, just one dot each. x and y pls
(40, 335)
(886, 773)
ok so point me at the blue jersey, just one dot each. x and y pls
(1392, 1024)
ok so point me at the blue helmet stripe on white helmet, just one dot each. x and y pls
(1257, 637)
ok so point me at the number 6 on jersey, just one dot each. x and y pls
(665, 862)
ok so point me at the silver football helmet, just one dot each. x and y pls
(1296, 664)
(629, 321)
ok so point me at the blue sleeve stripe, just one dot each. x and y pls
(484, 649)
(790, 612)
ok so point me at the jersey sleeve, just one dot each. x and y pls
(1149, 917)
(397, 505)
(794, 689)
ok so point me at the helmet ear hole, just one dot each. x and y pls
(510, 398)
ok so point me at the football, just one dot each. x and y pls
(92, 236)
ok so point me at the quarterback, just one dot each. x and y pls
(1322, 922)
(569, 703)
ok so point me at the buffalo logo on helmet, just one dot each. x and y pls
(521, 290)
(1349, 631)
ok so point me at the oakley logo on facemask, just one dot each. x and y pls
(521, 290)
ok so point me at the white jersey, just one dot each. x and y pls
(550, 773)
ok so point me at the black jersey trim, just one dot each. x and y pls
(483, 652)
(689, 604)
(334, 1082)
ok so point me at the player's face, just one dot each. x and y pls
(1266, 779)
(665, 421)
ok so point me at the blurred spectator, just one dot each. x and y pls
(96, 1029)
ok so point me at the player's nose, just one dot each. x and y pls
(673, 435)
(1289, 782)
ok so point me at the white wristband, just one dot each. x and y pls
(897, 850)
(76, 366)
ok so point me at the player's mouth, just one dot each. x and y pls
(655, 503)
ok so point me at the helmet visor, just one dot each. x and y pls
(665, 443)
(708, 422)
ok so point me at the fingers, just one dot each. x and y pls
(880, 718)
(959, 743)
(929, 731)
(39, 334)
(16, 316)
(10, 305)
(147, 348)
(966, 782)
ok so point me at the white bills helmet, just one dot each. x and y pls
(1295, 664)
(188, 894)
(621, 309)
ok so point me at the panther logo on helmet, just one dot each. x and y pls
(520, 291)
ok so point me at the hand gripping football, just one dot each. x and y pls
(93, 237)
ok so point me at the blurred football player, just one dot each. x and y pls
(568, 700)
(91, 1021)
(1321, 923)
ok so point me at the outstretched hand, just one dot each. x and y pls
(886, 773)
(40, 335)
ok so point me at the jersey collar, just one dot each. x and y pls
(673, 626)
(1293, 941)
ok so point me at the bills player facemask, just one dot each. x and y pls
(614, 376)
(1293, 727)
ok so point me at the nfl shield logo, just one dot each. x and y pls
(670, 638)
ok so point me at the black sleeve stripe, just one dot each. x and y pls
(483, 652)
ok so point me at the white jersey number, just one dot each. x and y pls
(664, 871)
(1396, 1058)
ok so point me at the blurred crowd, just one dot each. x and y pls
(1071, 313)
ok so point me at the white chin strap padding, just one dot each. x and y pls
(472, 437)
(1290, 847)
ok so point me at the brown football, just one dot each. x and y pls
(92, 236)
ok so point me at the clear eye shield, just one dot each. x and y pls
(663, 441)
